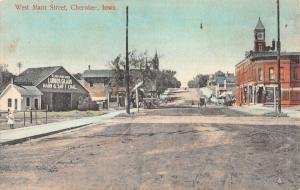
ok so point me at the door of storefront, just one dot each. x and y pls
(250, 94)
(260, 94)
(61, 101)
(270, 95)
(245, 95)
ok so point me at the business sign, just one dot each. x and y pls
(59, 82)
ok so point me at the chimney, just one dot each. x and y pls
(273, 45)
(89, 67)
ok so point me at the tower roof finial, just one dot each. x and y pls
(259, 25)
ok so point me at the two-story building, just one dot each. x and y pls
(222, 83)
(98, 84)
(257, 76)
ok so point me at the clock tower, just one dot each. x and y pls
(259, 36)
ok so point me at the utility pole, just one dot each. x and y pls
(19, 64)
(127, 66)
(278, 59)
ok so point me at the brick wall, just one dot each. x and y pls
(247, 72)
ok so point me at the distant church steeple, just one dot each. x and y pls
(259, 36)
(155, 61)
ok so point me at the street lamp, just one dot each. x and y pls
(278, 58)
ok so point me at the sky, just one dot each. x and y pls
(76, 39)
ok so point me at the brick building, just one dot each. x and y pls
(256, 75)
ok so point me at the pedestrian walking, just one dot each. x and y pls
(10, 119)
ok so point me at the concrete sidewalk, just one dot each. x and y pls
(22, 134)
(262, 110)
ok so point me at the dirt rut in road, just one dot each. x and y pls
(212, 149)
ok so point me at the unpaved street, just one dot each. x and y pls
(171, 148)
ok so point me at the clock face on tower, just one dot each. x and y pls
(260, 36)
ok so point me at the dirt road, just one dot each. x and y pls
(171, 148)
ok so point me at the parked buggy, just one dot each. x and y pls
(150, 103)
(202, 102)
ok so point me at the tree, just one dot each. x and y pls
(198, 81)
(166, 79)
(143, 68)
(140, 69)
(5, 79)
(77, 76)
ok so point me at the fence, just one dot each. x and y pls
(25, 118)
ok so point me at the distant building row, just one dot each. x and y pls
(55, 89)
(222, 84)
(51, 88)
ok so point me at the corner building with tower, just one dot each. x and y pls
(256, 74)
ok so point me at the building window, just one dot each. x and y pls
(271, 74)
(27, 101)
(16, 104)
(9, 102)
(296, 74)
(260, 47)
(260, 75)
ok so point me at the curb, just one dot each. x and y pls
(86, 123)
(21, 140)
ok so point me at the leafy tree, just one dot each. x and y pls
(143, 68)
(5, 79)
(77, 76)
(198, 81)
(140, 69)
(166, 79)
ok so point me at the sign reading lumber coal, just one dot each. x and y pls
(59, 82)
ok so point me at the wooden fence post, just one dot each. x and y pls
(24, 119)
(30, 116)
(46, 113)
(35, 116)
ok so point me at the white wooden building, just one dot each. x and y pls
(20, 98)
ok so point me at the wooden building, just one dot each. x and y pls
(257, 76)
(92, 77)
(98, 84)
(61, 91)
(20, 98)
